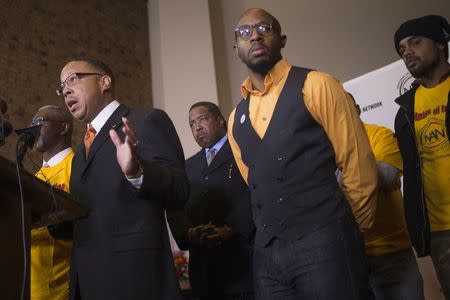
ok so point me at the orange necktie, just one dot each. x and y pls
(89, 138)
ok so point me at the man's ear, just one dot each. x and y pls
(65, 129)
(106, 82)
(221, 121)
(283, 40)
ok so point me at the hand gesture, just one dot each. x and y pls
(126, 150)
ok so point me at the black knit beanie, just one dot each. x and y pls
(432, 26)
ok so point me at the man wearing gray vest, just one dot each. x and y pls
(290, 132)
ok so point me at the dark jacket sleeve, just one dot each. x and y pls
(162, 159)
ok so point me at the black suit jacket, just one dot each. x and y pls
(218, 195)
(121, 249)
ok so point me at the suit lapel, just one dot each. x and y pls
(115, 121)
(221, 157)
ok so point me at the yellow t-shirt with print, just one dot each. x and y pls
(434, 148)
(388, 233)
(50, 257)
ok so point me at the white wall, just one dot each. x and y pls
(182, 61)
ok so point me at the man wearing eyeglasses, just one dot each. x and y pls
(127, 176)
(290, 132)
(51, 246)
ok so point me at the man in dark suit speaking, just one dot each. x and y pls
(216, 225)
(127, 176)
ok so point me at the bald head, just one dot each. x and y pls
(57, 113)
(259, 12)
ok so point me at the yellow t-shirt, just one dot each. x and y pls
(389, 233)
(432, 139)
(50, 257)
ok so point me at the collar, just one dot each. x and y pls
(217, 146)
(104, 115)
(273, 77)
(57, 158)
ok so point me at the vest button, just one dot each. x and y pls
(280, 200)
(280, 157)
(265, 226)
(206, 177)
(280, 179)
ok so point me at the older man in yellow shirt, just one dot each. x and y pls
(51, 246)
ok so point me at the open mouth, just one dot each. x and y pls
(71, 104)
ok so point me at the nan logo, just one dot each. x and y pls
(432, 136)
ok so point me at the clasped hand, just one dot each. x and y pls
(209, 235)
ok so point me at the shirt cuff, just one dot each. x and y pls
(136, 182)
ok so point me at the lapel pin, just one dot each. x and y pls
(243, 119)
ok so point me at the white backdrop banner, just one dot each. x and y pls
(376, 91)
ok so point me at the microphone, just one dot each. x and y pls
(27, 136)
(30, 130)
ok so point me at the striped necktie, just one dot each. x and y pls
(210, 156)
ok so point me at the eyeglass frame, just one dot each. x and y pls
(40, 120)
(253, 27)
(77, 75)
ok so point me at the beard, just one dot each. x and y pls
(263, 66)
(422, 71)
(424, 68)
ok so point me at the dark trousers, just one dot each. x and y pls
(326, 264)
(440, 254)
(395, 276)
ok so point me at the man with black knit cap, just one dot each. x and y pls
(422, 125)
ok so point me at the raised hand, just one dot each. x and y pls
(126, 150)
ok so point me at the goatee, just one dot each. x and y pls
(262, 67)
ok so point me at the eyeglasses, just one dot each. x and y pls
(246, 31)
(71, 80)
(40, 120)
